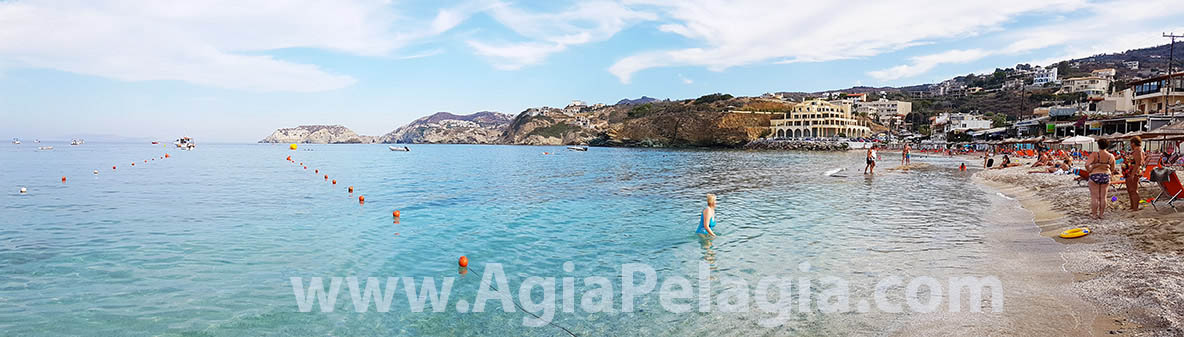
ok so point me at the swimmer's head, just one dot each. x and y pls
(711, 200)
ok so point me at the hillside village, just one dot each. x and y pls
(1099, 95)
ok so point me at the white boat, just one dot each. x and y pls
(16, 141)
(404, 149)
(76, 142)
(45, 148)
(185, 143)
(578, 148)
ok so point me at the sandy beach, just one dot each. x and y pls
(1130, 267)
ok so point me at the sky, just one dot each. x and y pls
(234, 71)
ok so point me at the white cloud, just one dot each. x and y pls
(516, 55)
(925, 63)
(212, 43)
(549, 33)
(734, 33)
(685, 80)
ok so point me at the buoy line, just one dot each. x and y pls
(463, 261)
(24, 190)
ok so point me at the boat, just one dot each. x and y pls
(155, 142)
(45, 148)
(578, 148)
(404, 149)
(16, 141)
(77, 142)
(185, 143)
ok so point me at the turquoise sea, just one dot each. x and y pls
(204, 243)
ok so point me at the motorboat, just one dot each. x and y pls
(185, 143)
(155, 142)
(45, 148)
(77, 142)
(578, 148)
(16, 141)
(403, 148)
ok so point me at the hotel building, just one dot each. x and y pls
(819, 118)
(1159, 94)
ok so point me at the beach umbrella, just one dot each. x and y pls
(1075, 140)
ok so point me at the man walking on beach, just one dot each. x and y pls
(1135, 162)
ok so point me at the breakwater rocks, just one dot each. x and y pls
(796, 145)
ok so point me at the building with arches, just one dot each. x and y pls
(819, 118)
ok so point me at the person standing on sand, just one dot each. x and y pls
(905, 154)
(1135, 162)
(707, 219)
(871, 160)
(1099, 165)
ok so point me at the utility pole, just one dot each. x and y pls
(1171, 70)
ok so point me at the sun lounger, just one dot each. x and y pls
(1169, 184)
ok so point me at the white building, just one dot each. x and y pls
(1090, 85)
(884, 109)
(1047, 75)
(1107, 73)
(1132, 65)
(948, 122)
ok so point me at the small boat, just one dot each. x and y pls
(578, 148)
(155, 143)
(76, 142)
(16, 141)
(45, 148)
(185, 143)
(404, 149)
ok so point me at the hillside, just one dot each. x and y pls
(317, 134)
(483, 127)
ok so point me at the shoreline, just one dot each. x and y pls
(1123, 269)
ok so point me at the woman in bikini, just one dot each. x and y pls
(1099, 165)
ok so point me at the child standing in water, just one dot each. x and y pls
(707, 218)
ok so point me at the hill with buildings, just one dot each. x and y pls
(1099, 84)
(317, 134)
(485, 127)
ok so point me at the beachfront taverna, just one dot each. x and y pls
(819, 118)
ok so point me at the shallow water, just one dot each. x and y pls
(205, 242)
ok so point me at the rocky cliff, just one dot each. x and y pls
(445, 128)
(317, 134)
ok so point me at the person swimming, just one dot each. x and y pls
(707, 218)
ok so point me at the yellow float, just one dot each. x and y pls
(293, 146)
(1075, 233)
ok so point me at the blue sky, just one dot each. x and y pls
(234, 71)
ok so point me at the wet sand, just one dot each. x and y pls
(1130, 268)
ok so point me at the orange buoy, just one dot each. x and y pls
(166, 155)
(306, 167)
(112, 167)
(361, 199)
(334, 181)
(326, 177)
(351, 189)
(145, 161)
(395, 213)
(63, 179)
(463, 261)
(316, 171)
(289, 158)
(133, 164)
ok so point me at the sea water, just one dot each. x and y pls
(206, 242)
